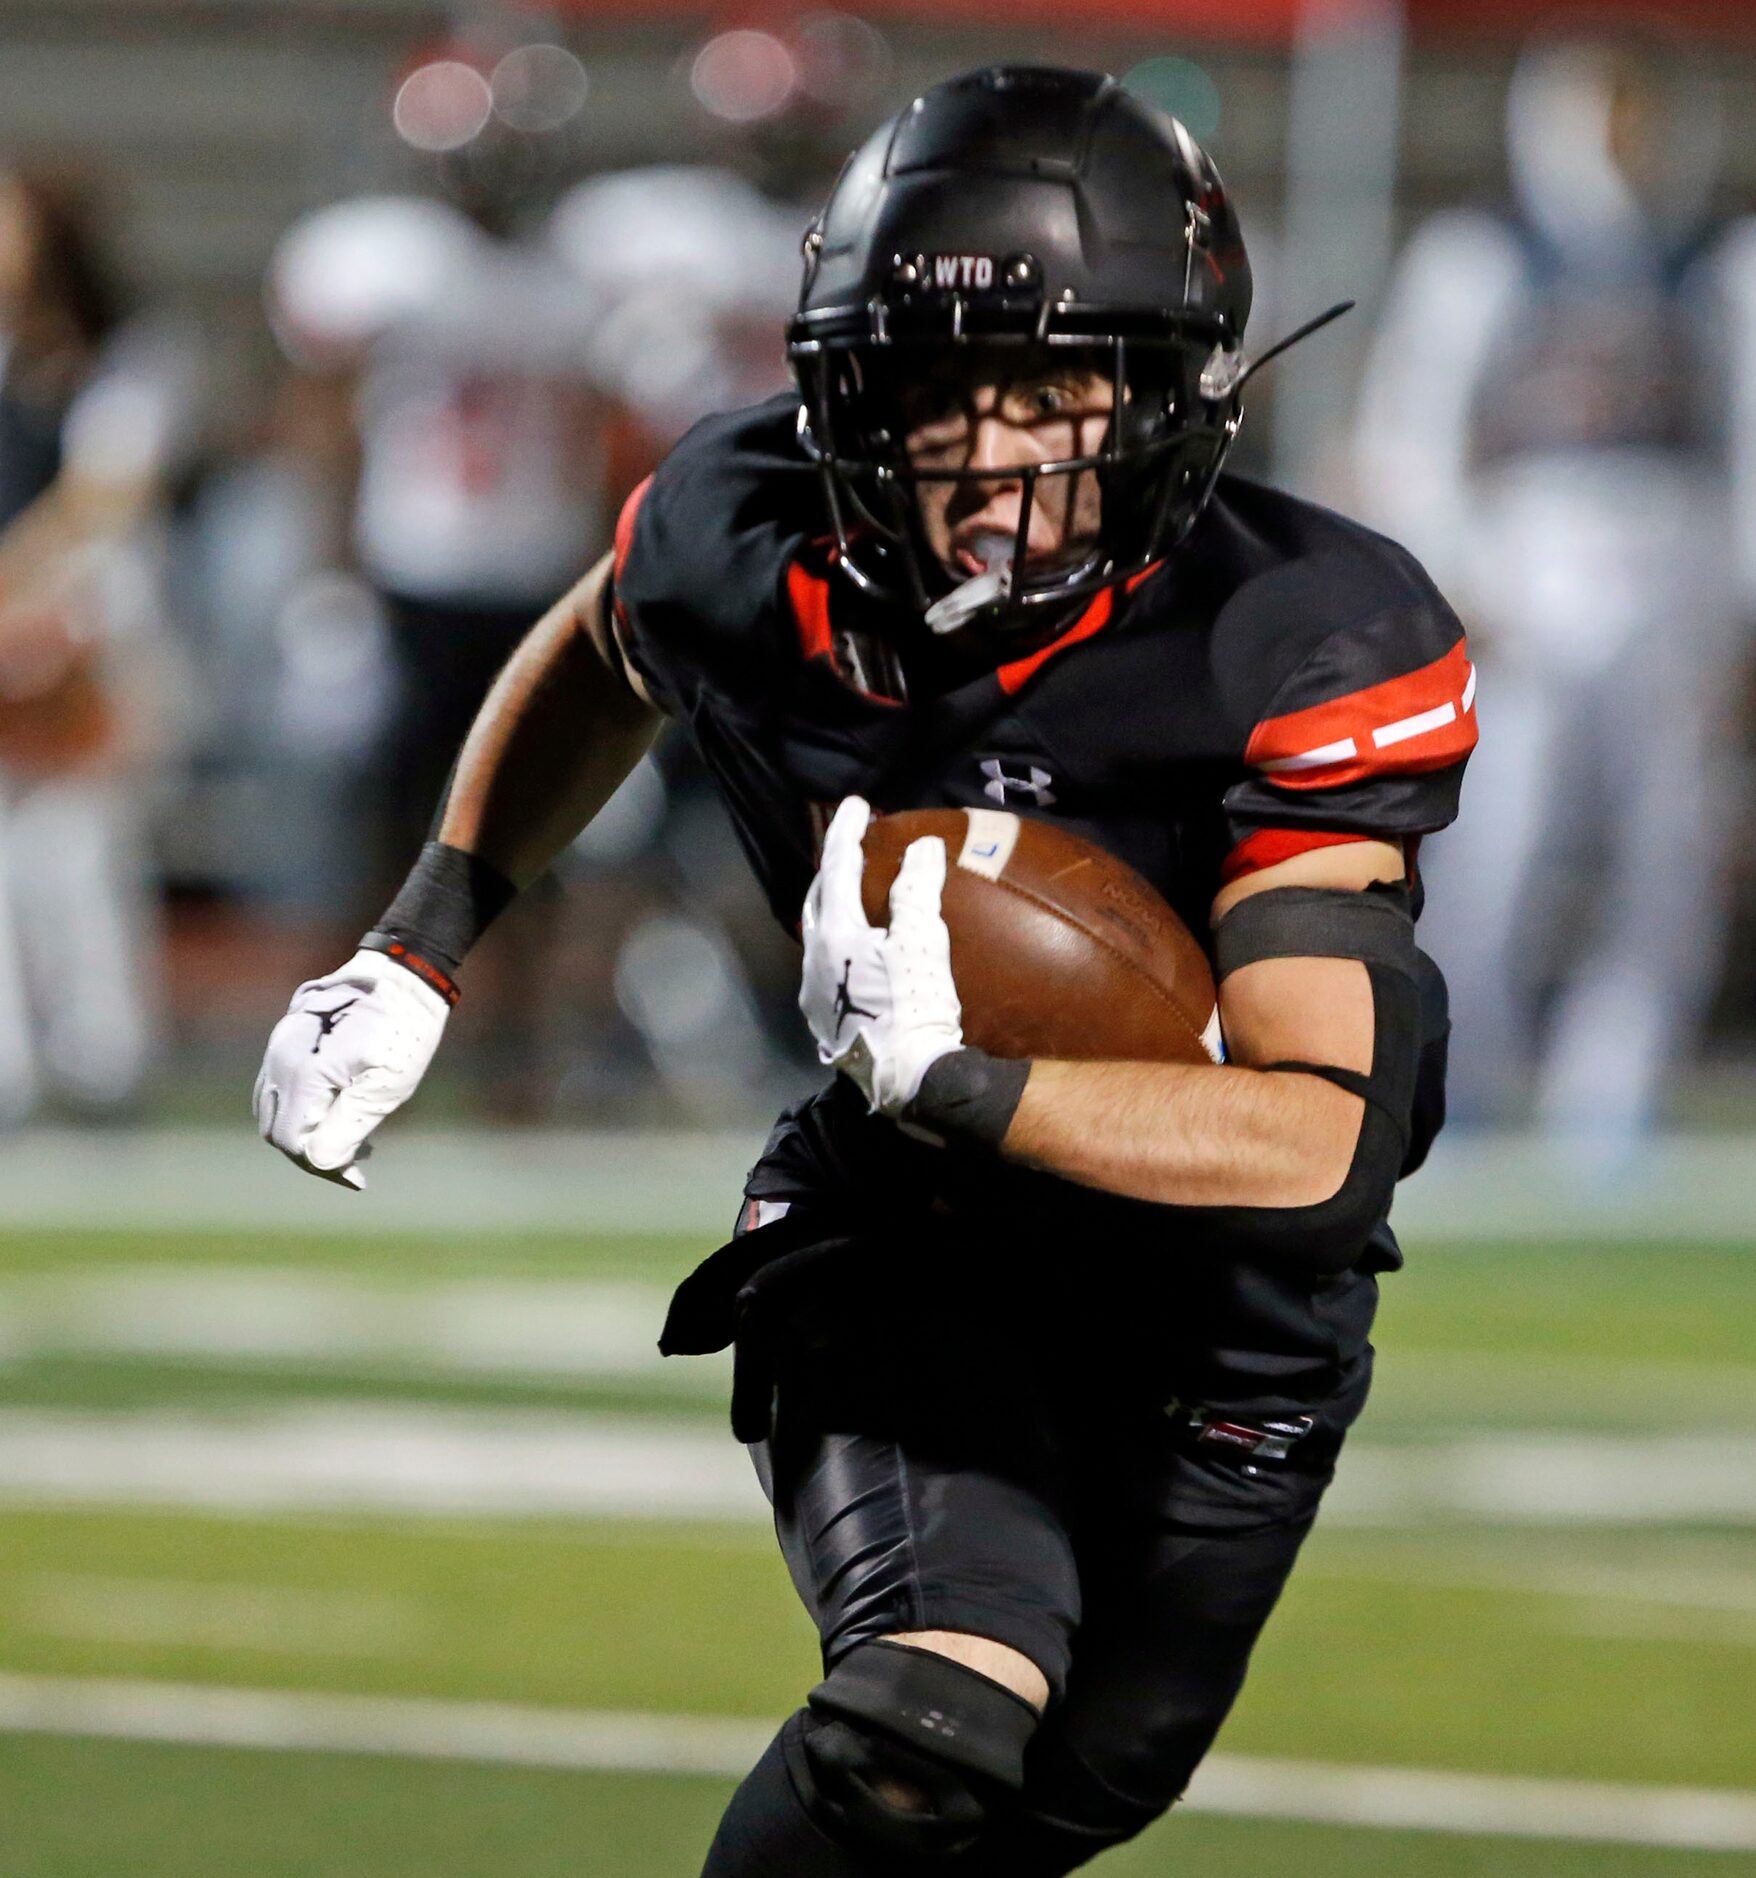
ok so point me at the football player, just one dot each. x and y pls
(1045, 1366)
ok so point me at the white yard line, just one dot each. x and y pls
(438, 1181)
(1551, 1480)
(1701, 1819)
(1728, 1591)
(375, 1457)
(534, 1329)
(352, 1724)
(1697, 1818)
(381, 1457)
(425, 1180)
(268, 1620)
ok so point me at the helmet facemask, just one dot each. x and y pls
(1117, 504)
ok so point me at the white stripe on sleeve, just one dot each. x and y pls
(1312, 759)
(1416, 726)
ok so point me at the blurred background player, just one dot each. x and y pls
(91, 413)
(685, 270)
(501, 380)
(451, 345)
(1559, 413)
(464, 351)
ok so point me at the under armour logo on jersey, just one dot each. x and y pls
(1016, 782)
(327, 1021)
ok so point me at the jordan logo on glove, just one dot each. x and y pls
(327, 1021)
(845, 1007)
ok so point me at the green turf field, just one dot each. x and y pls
(1542, 1561)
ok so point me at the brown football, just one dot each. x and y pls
(1058, 948)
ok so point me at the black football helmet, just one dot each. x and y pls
(1054, 216)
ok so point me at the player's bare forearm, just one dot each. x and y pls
(1187, 1136)
(558, 733)
(1238, 1135)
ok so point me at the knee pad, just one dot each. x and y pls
(909, 1751)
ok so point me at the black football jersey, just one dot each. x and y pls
(1286, 680)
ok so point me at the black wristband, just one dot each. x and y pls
(969, 1095)
(448, 901)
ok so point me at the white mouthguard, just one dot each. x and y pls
(988, 588)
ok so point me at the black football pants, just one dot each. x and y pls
(954, 1438)
(1141, 1611)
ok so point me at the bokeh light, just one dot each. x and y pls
(442, 105)
(842, 62)
(538, 88)
(743, 75)
(1181, 87)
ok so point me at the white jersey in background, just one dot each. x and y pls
(1559, 419)
(692, 273)
(479, 472)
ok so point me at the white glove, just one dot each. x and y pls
(351, 1049)
(881, 1003)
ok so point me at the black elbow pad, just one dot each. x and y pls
(1376, 928)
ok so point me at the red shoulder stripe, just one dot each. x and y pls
(1424, 720)
(1016, 675)
(809, 594)
(625, 525)
(1268, 847)
(1019, 673)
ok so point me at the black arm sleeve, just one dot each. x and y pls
(1375, 927)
